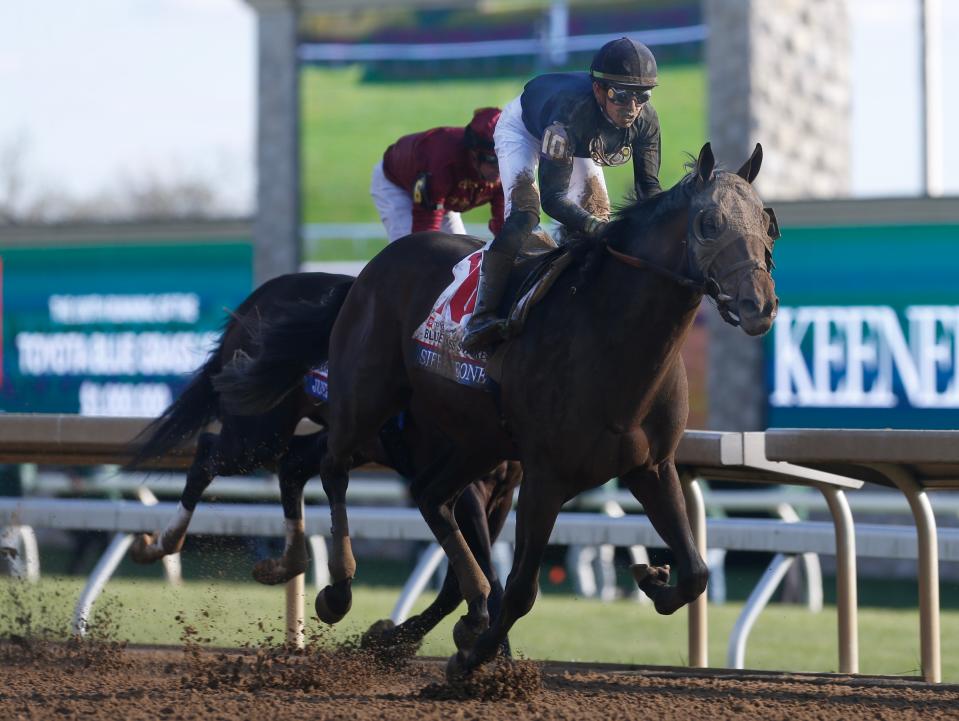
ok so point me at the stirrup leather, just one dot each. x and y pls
(483, 331)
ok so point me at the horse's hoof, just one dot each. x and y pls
(649, 575)
(640, 572)
(334, 602)
(376, 635)
(143, 549)
(465, 633)
(274, 571)
(456, 669)
(270, 572)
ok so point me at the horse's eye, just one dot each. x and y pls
(712, 224)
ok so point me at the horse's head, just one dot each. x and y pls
(730, 239)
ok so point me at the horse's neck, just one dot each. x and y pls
(660, 243)
(656, 310)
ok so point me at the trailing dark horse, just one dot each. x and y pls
(267, 440)
(594, 388)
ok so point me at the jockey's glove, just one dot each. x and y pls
(594, 226)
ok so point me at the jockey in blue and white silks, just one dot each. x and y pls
(552, 143)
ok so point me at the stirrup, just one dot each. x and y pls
(483, 332)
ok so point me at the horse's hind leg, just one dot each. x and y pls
(470, 513)
(408, 636)
(334, 601)
(661, 494)
(238, 449)
(149, 547)
(435, 491)
(301, 462)
(539, 504)
(364, 396)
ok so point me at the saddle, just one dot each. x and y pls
(538, 265)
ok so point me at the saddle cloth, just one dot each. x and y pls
(316, 382)
(438, 339)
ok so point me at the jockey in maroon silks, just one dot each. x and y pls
(427, 179)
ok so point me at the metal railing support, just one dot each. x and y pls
(171, 563)
(31, 553)
(98, 578)
(321, 559)
(928, 571)
(295, 610)
(847, 602)
(425, 568)
(757, 601)
(698, 613)
(811, 566)
(20, 544)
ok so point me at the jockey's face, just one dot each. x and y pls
(487, 165)
(622, 105)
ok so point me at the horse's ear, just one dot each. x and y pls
(750, 168)
(705, 164)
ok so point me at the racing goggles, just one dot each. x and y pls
(623, 96)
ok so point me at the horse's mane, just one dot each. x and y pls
(637, 216)
(633, 217)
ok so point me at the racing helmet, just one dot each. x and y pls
(479, 132)
(624, 62)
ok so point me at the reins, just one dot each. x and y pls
(710, 285)
(643, 264)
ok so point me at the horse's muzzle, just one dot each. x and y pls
(756, 319)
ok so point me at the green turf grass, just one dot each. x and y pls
(559, 627)
(347, 124)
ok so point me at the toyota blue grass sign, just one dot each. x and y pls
(113, 330)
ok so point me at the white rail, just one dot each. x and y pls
(126, 518)
(237, 519)
(312, 52)
(701, 454)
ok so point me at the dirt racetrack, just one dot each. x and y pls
(110, 682)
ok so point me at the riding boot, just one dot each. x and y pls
(485, 327)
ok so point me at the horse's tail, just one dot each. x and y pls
(289, 345)
(195, 407)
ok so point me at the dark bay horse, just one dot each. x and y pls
(594, 388)
(267, 440)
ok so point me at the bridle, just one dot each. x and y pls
(704, 282)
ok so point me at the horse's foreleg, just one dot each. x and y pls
(480, 525)
(661, 494)
(497, 511)
(539, 504)
(301, 462)
(151, 547)
(334, 601)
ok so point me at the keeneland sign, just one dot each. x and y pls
(865, 356)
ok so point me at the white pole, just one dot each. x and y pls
(558, 31)
(931, 65)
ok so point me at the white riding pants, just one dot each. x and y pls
(518, 151)
(395, 207)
